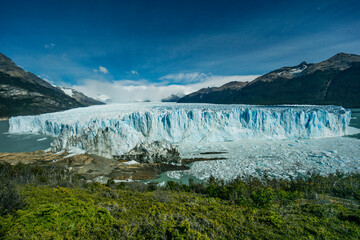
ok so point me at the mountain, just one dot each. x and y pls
(173, 98)
(335, 81)
(213, 94)
(79, 96)
(24, 93)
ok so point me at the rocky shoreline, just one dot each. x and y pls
(92, 167)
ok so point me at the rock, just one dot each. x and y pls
(155, 152)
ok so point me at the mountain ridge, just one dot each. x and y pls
(24, 93)
(335, 81)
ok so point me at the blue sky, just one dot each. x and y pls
(172, 42)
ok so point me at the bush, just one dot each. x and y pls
(50, 175)
(313, 207)
(10, 199)
(263, 197)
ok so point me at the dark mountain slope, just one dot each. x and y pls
(23, 93)
(334, 81)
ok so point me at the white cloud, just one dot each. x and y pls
(103, 97)
(133, 72)
(129, 91)
(185, 78)
(103, 70)
(49, 45)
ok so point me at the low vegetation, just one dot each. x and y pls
(53, 203)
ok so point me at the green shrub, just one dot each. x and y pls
(263, 197)
(10, 199)
(313, 207)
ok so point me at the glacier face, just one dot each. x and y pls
(116, 129)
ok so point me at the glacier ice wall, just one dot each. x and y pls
(115, 129)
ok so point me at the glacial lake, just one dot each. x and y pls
(22, 142)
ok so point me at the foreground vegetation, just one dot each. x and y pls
(53, 203)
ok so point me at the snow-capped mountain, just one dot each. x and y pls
(173, 98)
(79, 96)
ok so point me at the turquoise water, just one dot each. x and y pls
(22, 142)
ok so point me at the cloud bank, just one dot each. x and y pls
(130, 91)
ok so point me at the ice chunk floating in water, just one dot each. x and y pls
(276, 158)
(115, 129)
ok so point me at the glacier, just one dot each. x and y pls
(281, 141)
(284, 158)
(113, 130)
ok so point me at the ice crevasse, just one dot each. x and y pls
(116, 129)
